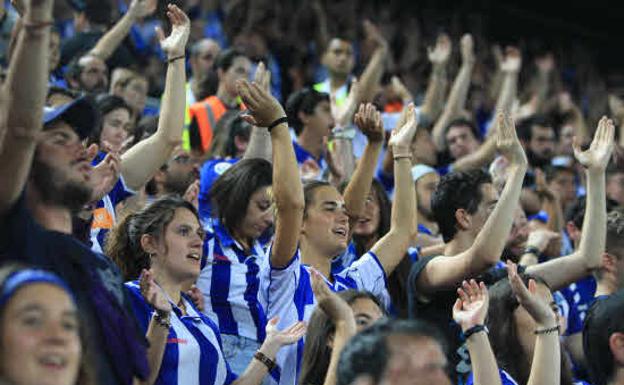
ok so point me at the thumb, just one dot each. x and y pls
(576, 145)
(92, 151)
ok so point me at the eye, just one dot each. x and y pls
(71, 325)
(32, 320)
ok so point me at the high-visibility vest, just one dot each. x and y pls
(207, 113)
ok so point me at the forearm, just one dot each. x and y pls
(434, 95)
(456, 100)
(484, 366)
(360, 183)
(259, 146)
(552, 207)
(593, 235)
(256, 370)
(342, 154)
(478, 159)
(546, 366)
(112, 39)
(488, 245)
(141, 161)
(157, 339)
(344, 331)
(508, 92)
(372, 74)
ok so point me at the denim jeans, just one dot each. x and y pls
(238, 351)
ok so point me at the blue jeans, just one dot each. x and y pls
(238, 351)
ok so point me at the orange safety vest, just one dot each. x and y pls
(207, 113)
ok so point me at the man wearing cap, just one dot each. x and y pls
(603, 340)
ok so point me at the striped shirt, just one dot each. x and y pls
(230, 282)
(104, 217)
(287, 293)
(193, 354)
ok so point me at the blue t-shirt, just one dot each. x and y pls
(506, 379)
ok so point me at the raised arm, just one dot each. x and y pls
(436, 89)
(265, 111)
(459, 91)
(23, 97)
(469, 312)
(546, 365)
(510, 67)
(368, 119)
(112, 39)
(563, 271)
(391, 248)
(485, 251)
(375, 67)
(142, 160)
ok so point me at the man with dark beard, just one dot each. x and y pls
(175, 176)
(538, 139)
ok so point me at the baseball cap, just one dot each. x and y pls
(81, 114)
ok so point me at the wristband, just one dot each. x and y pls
(547, 331)
(169, 61)
(277, 122)
(37, 24)
(269, 363)
(532, 250)
(475, 329)
(402, 156)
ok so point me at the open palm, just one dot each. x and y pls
(288, 336)
(471, 307)
(175, 43)
(599, 152)
(403, 135)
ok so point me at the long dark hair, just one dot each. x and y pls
(385, 211)
(316, 351)
(503, 336)
(105, 104)
(123, 244)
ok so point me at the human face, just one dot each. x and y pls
(61, 171)
(339, 58)
(55, 51)
(368, 224)
(424, 149)
(566, 135)
(461, 141)
(135, 94)
(542, 143)
(489, 198)
(422, 357)
(259, 215)
(326, 225)
(93, 74)
(115, 127)
(525, 325)
(183, 239)
(366, 312)
(615, 187)
(182, 170)
(516, 241)
(240, 69)
(321, 121)
(40, 337)
(202, 62)
(563, 184)
(425, 187)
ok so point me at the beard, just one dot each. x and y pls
(56, 189)
(537, 160)
(178, 185)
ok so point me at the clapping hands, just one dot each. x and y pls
(597, 156)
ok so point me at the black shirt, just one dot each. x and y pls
(111, 330)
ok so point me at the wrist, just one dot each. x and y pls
(536, 250)
(269, 348)
(474, 329)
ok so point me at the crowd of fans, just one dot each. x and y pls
(290, 193)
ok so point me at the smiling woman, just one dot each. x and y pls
(43, 335)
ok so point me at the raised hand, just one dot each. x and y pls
(528, 298)
(139, 9)
(175, 44)
(507, 142)
(197, 297)
(512, 62)
(191, 195)
(153, 294)
(439, 55)
(288, 336)
(263, 108)
(262, 77)
(471, 307)
(368, 119)
(466, 45)
(373, 34)
(343, 114)
(334, 306)
(403, 134)
(104, 176)
(399, 88)
(597, 156)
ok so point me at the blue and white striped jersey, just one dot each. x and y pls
(193, 355)
(230, 282)
(287, 293)
(104, 217)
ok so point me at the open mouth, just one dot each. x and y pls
(53, 361)
(341, 231)
(194, 256)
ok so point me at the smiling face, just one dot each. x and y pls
(61, 170)
(325, 224)
(179, 254)
(40, 337)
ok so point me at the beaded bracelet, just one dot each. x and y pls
(547, 331)
(269, 363)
